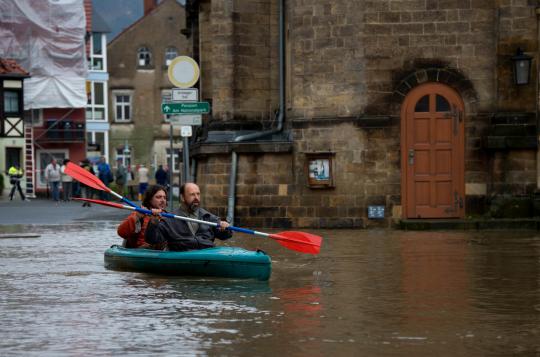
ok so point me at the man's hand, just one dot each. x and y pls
(223, 225)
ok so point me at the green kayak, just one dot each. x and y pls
(229, 262)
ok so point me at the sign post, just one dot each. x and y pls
(184, 108)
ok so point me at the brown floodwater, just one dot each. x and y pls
(369, 293)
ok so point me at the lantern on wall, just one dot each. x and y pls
(521, 66)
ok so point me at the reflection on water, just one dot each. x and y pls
(367, 293)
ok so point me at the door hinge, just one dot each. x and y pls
(458, 204)
(458, 200)
(457, 118)
(411, 156)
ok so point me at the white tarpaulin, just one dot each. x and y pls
(46, 37)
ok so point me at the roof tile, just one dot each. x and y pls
(10, 66)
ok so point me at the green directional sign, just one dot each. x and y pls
(185, 108)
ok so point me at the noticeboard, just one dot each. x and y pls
(376, 212)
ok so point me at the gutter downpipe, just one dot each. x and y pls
(537, 57)
(231, 201)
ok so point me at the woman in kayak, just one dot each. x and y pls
(133, 228)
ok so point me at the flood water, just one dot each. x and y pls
(369, 293)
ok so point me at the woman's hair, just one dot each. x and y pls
(149, 193)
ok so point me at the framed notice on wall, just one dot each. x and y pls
(319, 168)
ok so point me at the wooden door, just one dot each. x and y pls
(432, 153)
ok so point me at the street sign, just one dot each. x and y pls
(183, 72)
(185, 94)
(185, 119)
(185, 108)
(185, 131)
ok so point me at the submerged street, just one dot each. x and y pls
(369, 292)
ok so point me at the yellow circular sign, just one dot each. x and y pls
(183, 72)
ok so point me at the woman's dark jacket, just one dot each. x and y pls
(178, 236)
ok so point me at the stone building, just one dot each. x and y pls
(138, 61)
(409, 105)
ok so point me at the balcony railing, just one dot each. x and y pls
(62, 131)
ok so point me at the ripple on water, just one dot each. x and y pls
(367, 293)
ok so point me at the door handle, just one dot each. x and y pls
(411, 156)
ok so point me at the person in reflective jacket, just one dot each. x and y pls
(183, 235)
(15, 174)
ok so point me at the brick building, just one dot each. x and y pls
(409, 105)
(138, 62)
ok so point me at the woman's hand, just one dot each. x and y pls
(156, 211)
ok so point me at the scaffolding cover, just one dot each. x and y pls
(46, 38)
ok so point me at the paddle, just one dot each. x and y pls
(87, 178)
(298, 241)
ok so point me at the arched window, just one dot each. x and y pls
(170, 54)
(144, 57)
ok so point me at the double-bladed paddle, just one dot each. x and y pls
(87, 178)
(298, 241)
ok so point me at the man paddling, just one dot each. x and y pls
(183, 235)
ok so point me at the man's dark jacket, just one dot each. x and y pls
(178, 236)
(161, 177)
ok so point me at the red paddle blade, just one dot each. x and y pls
(85, 177)
(100, 202)
(299, 241)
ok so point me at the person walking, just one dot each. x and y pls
(87, 191)
(161, 176)
(52, 177)
(67, 182)
(180, 235)
(142, 172)
(15, 174)
(121, 177)
(105, 175)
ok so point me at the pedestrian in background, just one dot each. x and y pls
(121, 177)
(52, 177)
(87, 191)
(15, 174)
(142, 172)
(105, 175)
(67, 182)
(161, 177)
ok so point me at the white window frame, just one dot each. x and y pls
(115, 94)
(92, 133)
(171, 53)
(35, 121)
(144, 54)
(101, 56)
(177, 155)
(93, 106)
(9, 101)
(121, 155)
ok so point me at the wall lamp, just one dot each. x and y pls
(521, 66)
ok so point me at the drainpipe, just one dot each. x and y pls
(537, 10)
(231, 202)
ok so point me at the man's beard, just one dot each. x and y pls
(193, 206)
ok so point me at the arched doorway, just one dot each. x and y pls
(432, 153)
